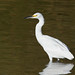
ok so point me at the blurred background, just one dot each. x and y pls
(20, 53)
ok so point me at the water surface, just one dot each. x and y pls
(20, 53)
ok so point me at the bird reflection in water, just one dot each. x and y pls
(57, 69)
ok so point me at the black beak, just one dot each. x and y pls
(27, 17)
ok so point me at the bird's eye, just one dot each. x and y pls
(34, 15)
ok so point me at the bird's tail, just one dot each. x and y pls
(69, 56)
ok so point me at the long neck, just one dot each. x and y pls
(38, 29)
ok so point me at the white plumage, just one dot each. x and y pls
(52, 46)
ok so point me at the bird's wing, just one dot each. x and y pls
(61, 43)
(57, 43)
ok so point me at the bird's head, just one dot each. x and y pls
(35, 16)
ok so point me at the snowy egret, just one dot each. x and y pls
(52, 46)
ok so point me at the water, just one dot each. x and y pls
(20, 54)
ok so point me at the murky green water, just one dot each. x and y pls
(20, 54)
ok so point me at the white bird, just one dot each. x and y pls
(52, 46)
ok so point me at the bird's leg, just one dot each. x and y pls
(58, 59)
(50, 59)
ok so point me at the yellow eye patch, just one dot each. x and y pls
(34, 15)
